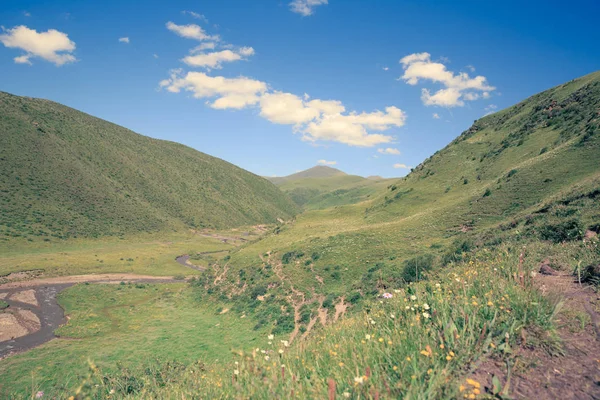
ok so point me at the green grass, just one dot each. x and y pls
(140, 254)
(3, 305)
(130, 325)
(65, 174)
(419, 344)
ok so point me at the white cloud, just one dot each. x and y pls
(470, 68)
(203, 46)
(316, 120)
(196, 15)
(124, 40)
(325, 162)
(436, 116)
(402, 166)
(52, 45)
(490, 109)
(351, 129)
(306, 7)
(27, 13)
(215, 59)
(234, 93)
(389, 150)
(457, 88)
(191, 31)
(155, 55)
(386, 68)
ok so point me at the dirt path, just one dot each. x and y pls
(574, 374)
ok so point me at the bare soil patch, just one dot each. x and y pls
(573, 372)
(10, 327)
(25, 296)
(100, 278)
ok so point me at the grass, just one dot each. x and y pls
(3, 305)
(65, 174)
(129, 325)
(139, 254)
(421, 343)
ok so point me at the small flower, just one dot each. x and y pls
(271, 337)
(413, 297)
(473, 383)
(39, 395)
(368, 337)
(359, 379)
(346, 395)
(426, 306)
(392, 316)
(387, 295)
(426, 315)
(381, 339)
(280, 351)
(285, 343)
(236, 371)
(267, 358)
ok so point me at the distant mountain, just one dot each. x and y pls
(320, 171)
(64, 173)
(322, 187)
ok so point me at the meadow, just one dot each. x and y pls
(125, 326)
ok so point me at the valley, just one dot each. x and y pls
(469, 277)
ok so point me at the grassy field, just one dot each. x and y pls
(420, 341)
(129, 325)
(141, 254)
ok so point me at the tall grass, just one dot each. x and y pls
(417, 342)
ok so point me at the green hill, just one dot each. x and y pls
(530, 171)
(322, 187)
(64, 173)
(319, 171)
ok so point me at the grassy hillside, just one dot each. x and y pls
(527, 171)
(66, 174)
(323, 187)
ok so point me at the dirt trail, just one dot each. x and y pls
(574, 374)
(99, 278)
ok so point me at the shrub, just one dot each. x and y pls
(563, 231)
(416, 268)
(456, 251)
(487, 192)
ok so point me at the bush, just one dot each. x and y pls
(3, 305)
(487, 193)
(563, 231)
(416, 268)
(456, 251)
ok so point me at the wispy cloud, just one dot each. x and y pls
(306, 7)
(196, 15)
(191, 31)
(389, 150)
(402, 166)
(124, 40)
(436, 116)
(325, 162)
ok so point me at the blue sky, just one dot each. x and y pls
(275, 86)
